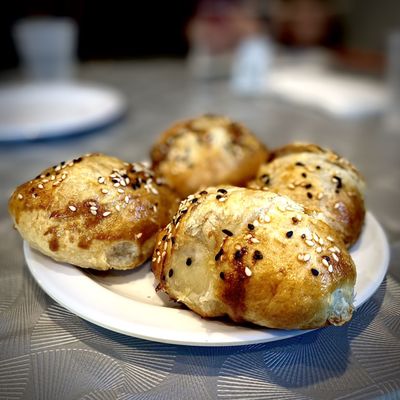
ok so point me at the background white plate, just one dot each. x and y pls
(32, 111)
(126, 302)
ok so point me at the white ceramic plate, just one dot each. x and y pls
(32, 111)
(126, 302)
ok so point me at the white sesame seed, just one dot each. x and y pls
(337, 250)
(45, 180)
(330, 239)
(299, 217)
(53, 177)
(119, 190)
(335, 257)
(310, 243)
(105, 191)
(291, 186)
(138, 235)
(300, 257)
(116, 184)
(163, 254)
(92, 203)
(127, 180)
(106, 213)
(321, 241)
(267, 218)
(248, 236)
(330, 268)
(254, 240)
(307, 257)
(126, 199)
(122, 182)
(247, 271)
(315, 237)
(72, 208)
(332, 249)
(63, 176)
(20, 197)
(40, 186)
(238, 247)
(94, 208)
(256, 223)
(94, 212)
(101, 179)
(154, 259)
(336, 206)
(318, 249)
(320, 196)
(222, 199)
(42, 176)
(325, 262)
(57, 168)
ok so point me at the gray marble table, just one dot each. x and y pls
(46, 352)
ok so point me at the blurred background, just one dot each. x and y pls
(341, 57)
(356, 30)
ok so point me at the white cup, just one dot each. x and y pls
(46, 47)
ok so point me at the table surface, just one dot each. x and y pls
(48, 353)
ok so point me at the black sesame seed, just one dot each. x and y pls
(170, 272)
(339, 181)
(37, 177)
(163, 278)
(219, 254)
(164, 238)
(238, 255)
(62, 163)
(195, 200)
(289, 234)
(203, 192)
(308, 186)
(257, 255)
(48, 174)
(265, 178)
(303, 236)
(318, 167)
(227, 232)
(304, 175)
(189, 261)
(172, 240)
(295, 220)
(223, 191)
(251, 227)
(77, 160)
(337, 191)
(327, 258)
(184, 211)
(300, 164)
(314, 271)
(218, 196)
(309, 195)
(222, 275)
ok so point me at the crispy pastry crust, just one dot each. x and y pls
(208, 150)
(320, 180)
(94, 212)
(255, 256)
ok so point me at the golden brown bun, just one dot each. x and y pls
(255, 256)
(321, 181)
(208, 150)
(94, 212)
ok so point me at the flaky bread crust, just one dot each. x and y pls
(208, 150)
(255, 256)
(94, 212)
(320, 180)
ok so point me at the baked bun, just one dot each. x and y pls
(94, 212)
(321, 181)
(255, 256)
(204, 151)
